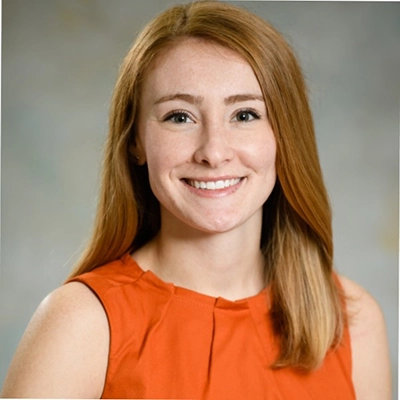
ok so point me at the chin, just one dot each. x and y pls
(217, 226)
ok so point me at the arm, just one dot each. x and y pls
(370, 350)
(64, 351)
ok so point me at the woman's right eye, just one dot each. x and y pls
(178, 117)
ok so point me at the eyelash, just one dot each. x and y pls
(249, 111)
(169, 117)
(175, 113)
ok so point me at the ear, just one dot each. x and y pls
(137, 154)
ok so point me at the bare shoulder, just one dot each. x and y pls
(64, 350)
(370, 350)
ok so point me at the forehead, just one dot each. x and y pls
(197, 62)
(192, 47)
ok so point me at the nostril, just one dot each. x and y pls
(213, 152)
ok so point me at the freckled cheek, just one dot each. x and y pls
(263, 156)
(162, 159)
(165, 149)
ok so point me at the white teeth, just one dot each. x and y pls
(213, 185)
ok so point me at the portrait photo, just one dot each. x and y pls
(74, 72)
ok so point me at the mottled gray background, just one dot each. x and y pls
(60, 61)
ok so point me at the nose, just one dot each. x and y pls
(215, 146)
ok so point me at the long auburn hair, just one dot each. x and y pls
(306, 302)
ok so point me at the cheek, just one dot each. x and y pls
(271, 156)
(165, 151)
(162, 161)
(263, 155)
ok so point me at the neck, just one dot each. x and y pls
(228, 264)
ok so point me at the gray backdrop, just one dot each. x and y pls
(60, 61)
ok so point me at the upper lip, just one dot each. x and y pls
(213, 179)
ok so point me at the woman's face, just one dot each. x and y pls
(204, 133)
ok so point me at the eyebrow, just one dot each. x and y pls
(237, 98)
(180, 96)
(197, 100)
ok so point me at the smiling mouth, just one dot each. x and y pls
(213, 185)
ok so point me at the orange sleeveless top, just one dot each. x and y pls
(167, 342)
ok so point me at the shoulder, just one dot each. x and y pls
(73, 297)
(73, 303)
(365, 315)
(64, 350)
(370, 352)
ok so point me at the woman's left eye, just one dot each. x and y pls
(246, 116)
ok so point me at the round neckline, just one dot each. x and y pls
(153, 280)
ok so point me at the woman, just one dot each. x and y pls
(209, 274)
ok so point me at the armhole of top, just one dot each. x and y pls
(346, 338)
(93, 290)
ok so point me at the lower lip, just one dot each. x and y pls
(212, 194)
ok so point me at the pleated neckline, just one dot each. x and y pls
(155, 282)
